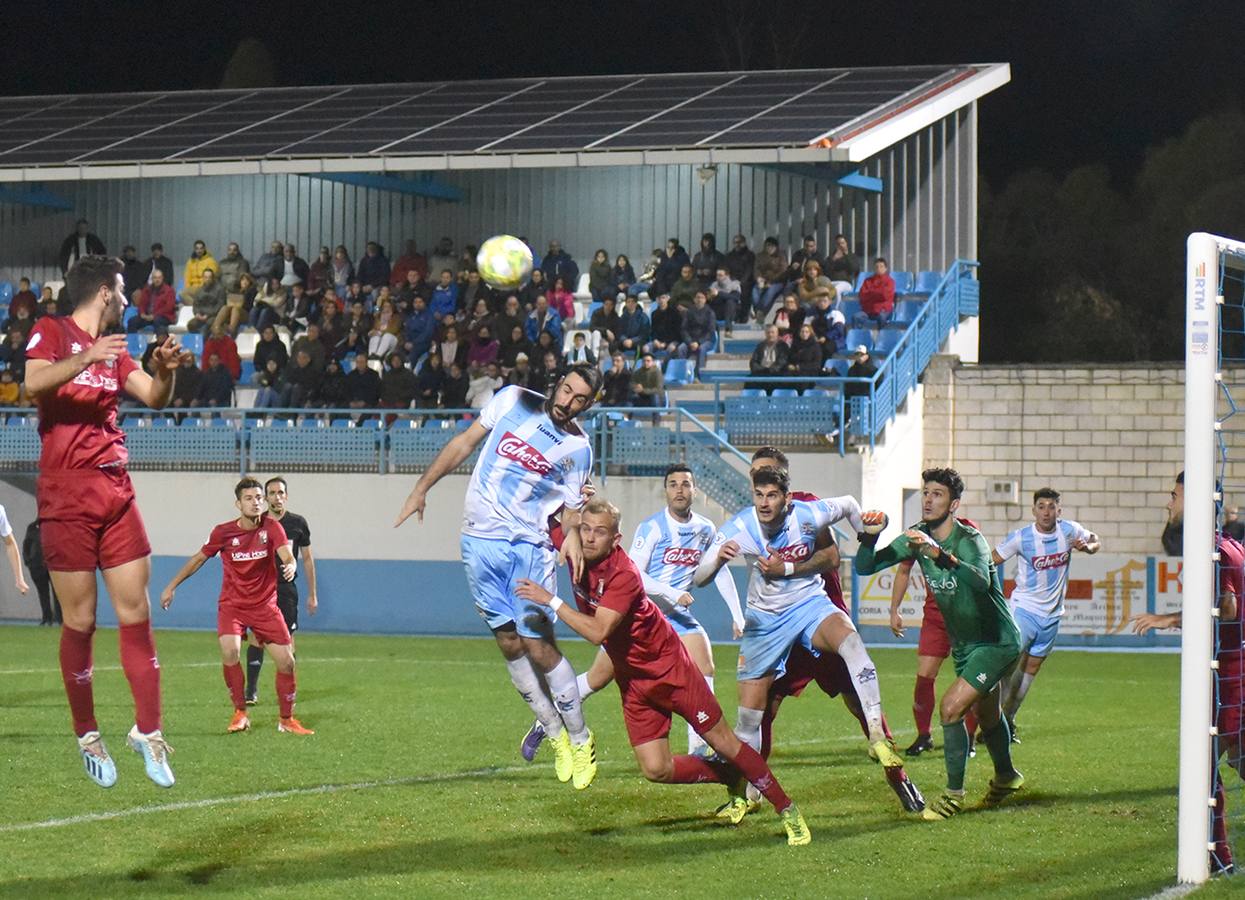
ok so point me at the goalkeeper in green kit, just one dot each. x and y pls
(985, 641)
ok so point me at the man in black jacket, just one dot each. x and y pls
(363, 385)
(667, 330)
(32, 553)
(81, 242)
(708, 260)
(157, 260)
(741, 263)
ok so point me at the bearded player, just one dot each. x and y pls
(656, 675)
(955, 560)
(534, 462)
(86, 504)
(248, 599)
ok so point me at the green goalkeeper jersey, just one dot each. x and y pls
(968, 595)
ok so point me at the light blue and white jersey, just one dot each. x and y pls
(794, 541)
(667, 552)
(528, 469)
(1042, 567)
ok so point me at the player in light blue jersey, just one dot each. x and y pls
(667, 548)
(1044, 553)
(788, 606)
(534, 462)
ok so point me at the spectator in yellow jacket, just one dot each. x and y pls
(199, 260)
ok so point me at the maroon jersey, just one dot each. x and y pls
(1231, 580)
(78, 422)
(246, 557)
(834, 587)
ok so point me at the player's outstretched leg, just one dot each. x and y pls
(78, 674)
(600, 674)
(287, 690)
(575, 735)
(254, 665)
(997, 737)
(744, 759)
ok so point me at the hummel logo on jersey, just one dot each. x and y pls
(681, 556)
(234, 542)
(701, 717)
(75, 347)
(981, 678)
(520, 451)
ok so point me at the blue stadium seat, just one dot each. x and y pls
(752, 392)
(135, 344)
(6, 292)
(927, 282)
(887, 341)
(860, 278)
(130, 312)
(35, 288)
(906, 312)
(858, 336)
(680, 372)
(785, 392)
(849, 308)
(592, 307)
(193, 342)
(838, 367)
(903, 282)
(248, 369)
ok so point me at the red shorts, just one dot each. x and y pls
(1231, 696)
(934, 640)
(648, 703)
(264, 620)
(828, 670)
(89, 519)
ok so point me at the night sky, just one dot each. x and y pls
(1091, 81)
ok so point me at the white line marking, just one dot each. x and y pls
(1176, 890)
(307, 661)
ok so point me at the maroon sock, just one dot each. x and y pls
(755, 769)
(923, 703)
(235, 681)
(77, 670)
(285, 693)
(142, 670)
(694, 770)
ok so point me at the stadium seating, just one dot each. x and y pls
(905, 313)
(858, 336)
(927, 282)
(193, 342)
(903, 282)
(680, 372)
(887, 341)
(6, 292)
(838, 367)
(135, 344)
(849, 308)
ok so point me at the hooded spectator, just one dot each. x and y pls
(373, 268)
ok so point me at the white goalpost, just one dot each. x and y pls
(1203, 457)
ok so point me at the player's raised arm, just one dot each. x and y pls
(157, 390)
(835, 509)
(868, 558)
(192, 565)
(595, 628)
(452, 455)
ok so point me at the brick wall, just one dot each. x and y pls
(1109, 439)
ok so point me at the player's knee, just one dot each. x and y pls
(660, 772)
(229, 657)
(285, 663)
(948, 714)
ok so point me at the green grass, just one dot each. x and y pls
(462, 815)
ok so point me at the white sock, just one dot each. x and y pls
(585, 689)
(865, 679)
(694, 740)
(563, 687)
(748, 728)
(525, 680)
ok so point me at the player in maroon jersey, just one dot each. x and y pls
(248, 599)
(1230, 669)
(655, 674)
(89, 516)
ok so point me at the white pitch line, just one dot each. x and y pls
(306, 662)
(1174, 892)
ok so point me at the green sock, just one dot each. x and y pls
(998, 741)
(955, 753)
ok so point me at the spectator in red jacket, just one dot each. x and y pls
(561, 300)
(24, 297)
(222, 346)
(877, 297)
(156, 304)
(411, 260)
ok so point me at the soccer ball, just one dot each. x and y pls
(504, 262)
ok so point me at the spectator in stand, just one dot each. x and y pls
(454, 388)
(788, 317)
(443, 257)
(363, 385)
(429, 381)
(21, 321)
(805, 356)
(383, 338)
(562, 300)
(198, 263)
(301, 382)
(515, 345)
(357, 327)
(24, 298)
(600, 277)
(616, 388)
(311, 343)
(482, 383)
(877, 298)
(647, 382)
(535, 287)
(666, 329)
(13, 354)
(268, 307)
(343, 269)
(354, 294)
(216, 389)
(634, 328)
(484, 348)
(51, 306)
(683, 291)
(333, 391)
(451, 349)
(413, 287)
(10, 390)
(330, 297)
(158, 260)
(155, 305)
(238, 307)
(444, 295)
(270, 264)
(521, 372)
(580, 352)
(770, 357)
(188, 383)
(829, 326)
(842, 266)
(622, 276)
(669, 269)
(232, 267)
(771, 272)
(644, 283)
(373, 268)
(466, 263)
(270, 382)
(510, 316)
(473, 291)
(558, 264)
(813, 285)
(222, 346)
(292, 269)
(724, 294)
(320, 273)
(411, 260)
(297, 308)
(605, 322)
(331, 325)
(269, 347)
(79, 243)
(708, 259)
(548, 374)
(699, 331)
(134, 271)
(862, 367)
(398, 387)
(807, 253)
(741, 264)
(209, 301)
(543, 319)
(544, 344)
(419, 329)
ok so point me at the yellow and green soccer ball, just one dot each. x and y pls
(504, 262)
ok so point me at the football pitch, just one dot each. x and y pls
(413, 786)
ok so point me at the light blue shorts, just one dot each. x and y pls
(683, 622)
(769, 637)
(1037, 633)
(493, 568)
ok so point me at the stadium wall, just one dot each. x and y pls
(924, 218)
